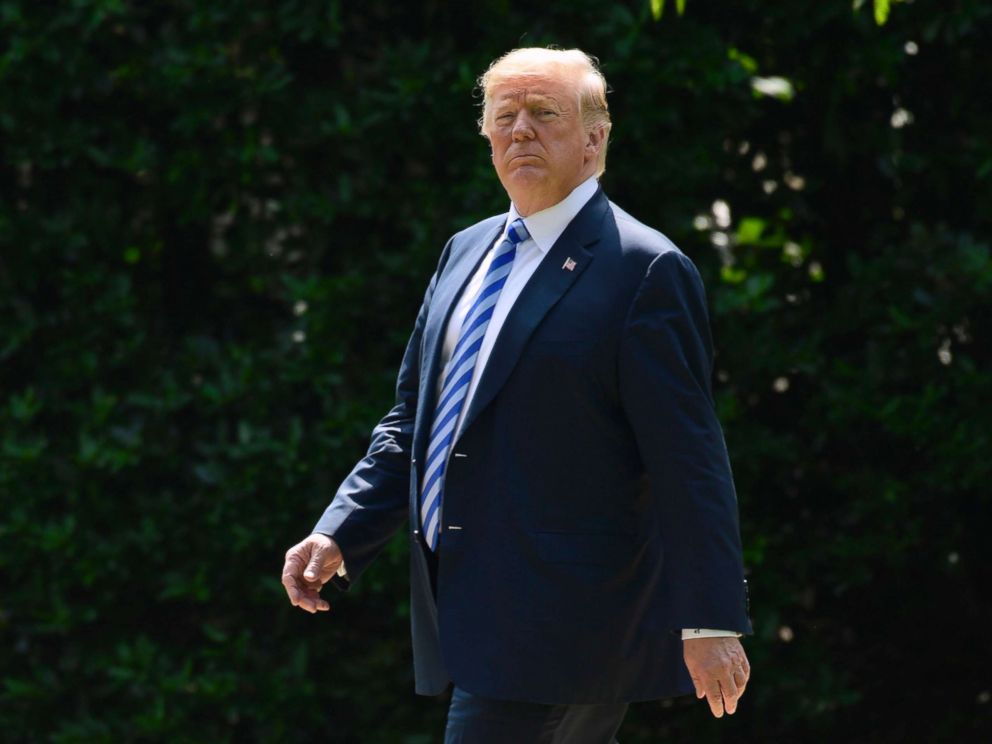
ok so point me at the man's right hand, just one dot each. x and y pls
(309, 565)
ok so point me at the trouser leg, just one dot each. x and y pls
(477, 720)
(590, 724)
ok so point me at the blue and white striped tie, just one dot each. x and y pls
(458, 375)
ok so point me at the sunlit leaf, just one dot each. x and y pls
(775, 87)
(881, 11)
(732, 274)
(658, 8)
(746, 61)
(749, 230)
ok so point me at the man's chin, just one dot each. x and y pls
(527, 172)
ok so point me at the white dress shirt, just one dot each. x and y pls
(545, 227)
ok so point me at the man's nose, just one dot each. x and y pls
(522, 129)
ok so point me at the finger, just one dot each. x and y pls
(746, 668)
(715, 698)
(290, 578)
(293, 566)
(291, 589)
(308, 601)
(312, 602)
(700, 692)
(294, 561)
(730, 694)
(740, 679)
(312, 572)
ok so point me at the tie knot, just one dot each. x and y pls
(517, 233)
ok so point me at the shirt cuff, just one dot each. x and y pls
(343, 572)
(708, 633)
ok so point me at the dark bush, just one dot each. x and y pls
(217, 223)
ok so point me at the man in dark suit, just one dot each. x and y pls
(572, 515)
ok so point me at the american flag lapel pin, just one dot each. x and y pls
(569, 264)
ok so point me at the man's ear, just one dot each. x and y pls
(594, 139)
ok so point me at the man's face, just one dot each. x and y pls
(540, 148)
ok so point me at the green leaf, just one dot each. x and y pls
(881, 11)
(214, 634)
(658, 8)
(750, 229)
(24, 407)
(746, 61)
(732, 275)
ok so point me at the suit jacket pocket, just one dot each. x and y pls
(587, 548)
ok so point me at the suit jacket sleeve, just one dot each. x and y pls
(665, 367)
(373, 501)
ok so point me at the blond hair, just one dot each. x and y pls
(561, 63)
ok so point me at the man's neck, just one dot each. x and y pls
(546, 226)
(526, 208)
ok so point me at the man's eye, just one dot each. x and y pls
(504, 117)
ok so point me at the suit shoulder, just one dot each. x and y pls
(467, 237)
(473, 233)
(639, 239)
(641, 245)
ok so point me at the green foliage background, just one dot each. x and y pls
(216, 225)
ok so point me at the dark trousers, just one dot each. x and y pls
(477, 720)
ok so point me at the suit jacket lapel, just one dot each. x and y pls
(446, 295)
(547, 285)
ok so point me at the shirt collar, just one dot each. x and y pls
(546, 226)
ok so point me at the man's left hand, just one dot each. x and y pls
(719, 670)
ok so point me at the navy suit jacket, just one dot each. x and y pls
(589, 509)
